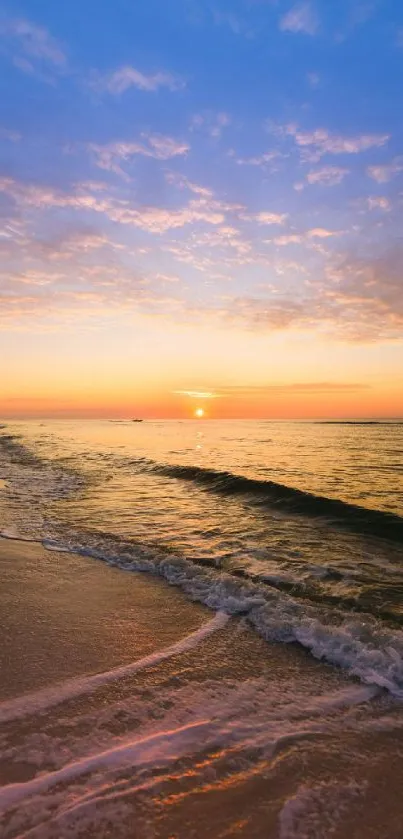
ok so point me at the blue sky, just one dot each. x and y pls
(230, 166)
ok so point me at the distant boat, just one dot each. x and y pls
(137, 420)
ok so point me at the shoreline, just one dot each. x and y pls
(54, 604)
(127, 704)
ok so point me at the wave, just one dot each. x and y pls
(360, 644)
(285, 498)
(47, 698)
(391, 423)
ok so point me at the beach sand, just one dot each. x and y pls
(208, 731)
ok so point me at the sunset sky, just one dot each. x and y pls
(201, 206)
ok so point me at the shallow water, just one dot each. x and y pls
(296, 525)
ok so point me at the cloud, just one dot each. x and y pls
(248, 391)
(159, 220)
(82, 241)
(369, 294)
(212, 123)
(31, 46)
(379, 202)
(384, 173)
(301, 238)
(289, 239)
(260, 160)
(271, 390)
(12, 136)
(197, 394)
(359, 13)
(157, 146)
(353, 299)
(182, 182)
(233, 22)
(267, 217)
(150, 219)
(82, 272)
(313, 80)
(301, 18)
(327, 176)
(315, 144)
(41, 298)
(226, 238)
(321, 233)
(127, 76)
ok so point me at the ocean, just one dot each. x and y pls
(282, 539)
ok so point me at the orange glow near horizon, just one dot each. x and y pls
(161, 372)
(267, 403)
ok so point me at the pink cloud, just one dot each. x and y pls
(327, 176)
(315, 144)
(127, 76)
(108, 156)
(301, 18)
(384, 173)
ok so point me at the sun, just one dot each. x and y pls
(199, 413)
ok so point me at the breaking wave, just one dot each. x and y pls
(285, 498)
(359, 644)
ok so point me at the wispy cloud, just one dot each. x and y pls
(327, 176)
(371, 292)
(182, 182)
(108, 156)
(315, 144)
(151, 219)
(289, 239)
(385, 172)
(123, 78)
(301, 18)
(31, 47)
(236, 24)
(211, 123)
(197, 394)
(313, 80)
(264, 159)
(379, 202)
(266, 217)
(12, 136)
(248, 391)
(307, 236)
(359, 13)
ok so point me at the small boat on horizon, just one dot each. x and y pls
(137, 420)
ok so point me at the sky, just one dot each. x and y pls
(201, 206)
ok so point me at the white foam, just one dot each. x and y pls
(232, 717)
(47, 698)
(155, 749)
(357, 644)
(313, 812)
(13, 535)
(52, 545)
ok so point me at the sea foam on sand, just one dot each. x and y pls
(170, 720)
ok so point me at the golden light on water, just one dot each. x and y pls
(199, 413)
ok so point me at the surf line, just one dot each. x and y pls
(168, 744)
(42, 700)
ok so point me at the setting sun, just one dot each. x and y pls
(199, 413)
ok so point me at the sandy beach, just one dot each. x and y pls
(193, 725)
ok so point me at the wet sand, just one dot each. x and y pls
(64, 615)
(208, 730)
